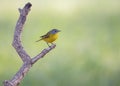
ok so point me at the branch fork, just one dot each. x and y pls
(27, 60)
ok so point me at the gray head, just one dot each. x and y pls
(54, 31)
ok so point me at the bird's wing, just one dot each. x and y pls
(45, 36)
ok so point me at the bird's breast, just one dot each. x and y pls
(51, 38)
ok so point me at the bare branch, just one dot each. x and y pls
(27, 60)
(42, 54)
(18, 29)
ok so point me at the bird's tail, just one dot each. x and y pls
(38, 40)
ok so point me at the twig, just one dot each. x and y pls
(42, 54)
(27, 60)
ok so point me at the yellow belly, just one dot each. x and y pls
(51, 38)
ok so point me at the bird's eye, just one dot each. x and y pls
(54, 31)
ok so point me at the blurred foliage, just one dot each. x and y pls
(88, 48)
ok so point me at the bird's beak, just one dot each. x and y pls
(59, 30)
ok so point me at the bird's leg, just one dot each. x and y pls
(52, 43)
(48, 44)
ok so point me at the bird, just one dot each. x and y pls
(50, 36)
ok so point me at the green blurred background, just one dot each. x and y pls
(88, 48)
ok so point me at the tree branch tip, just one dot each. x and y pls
(52, 46)
(49, 48)
(28, 5)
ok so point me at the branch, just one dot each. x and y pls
(27, 60)
(18, 29)
(42, 54)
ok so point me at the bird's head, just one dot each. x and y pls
(54, 31)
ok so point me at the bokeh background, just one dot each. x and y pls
(88, 48)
